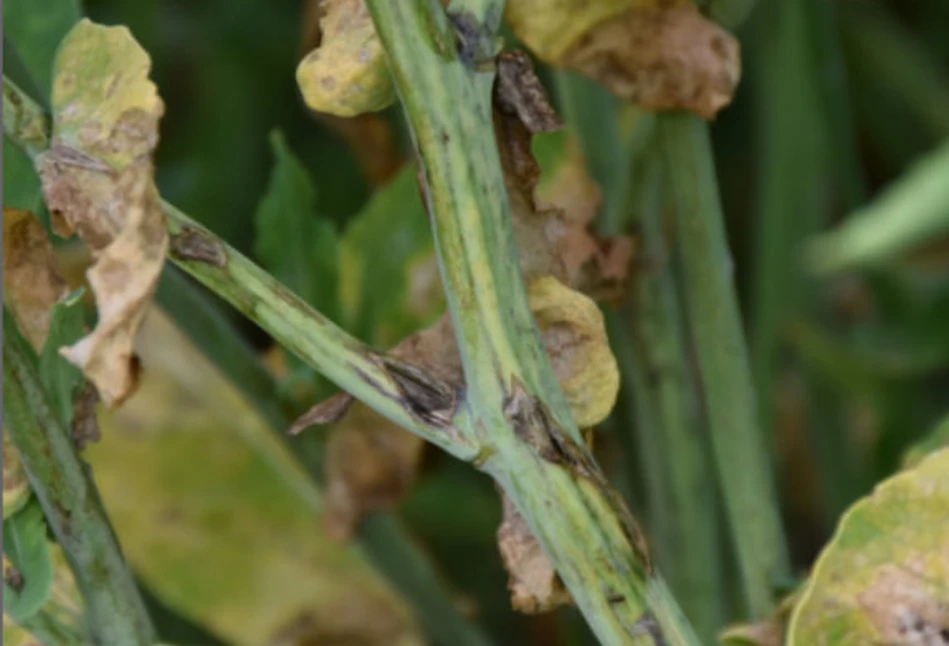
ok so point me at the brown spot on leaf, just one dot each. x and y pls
(661, 59)
(906, 608)
(532, 580)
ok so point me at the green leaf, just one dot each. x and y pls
(389, 279)
(21, 186)
(25, 546)
(911, 212)
(884, 577)
(61, 378)
(37, 27)
(293, 242)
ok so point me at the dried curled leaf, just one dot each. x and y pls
(551, 240)
(32, 283)
(534, 584)
(370, 465)
(884, 578)
(347, 73)
(98, 181)
(660, 54)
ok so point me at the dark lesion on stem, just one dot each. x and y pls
(198, 246)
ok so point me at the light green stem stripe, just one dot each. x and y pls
(70, 501)
(513, 401)
(711, 304)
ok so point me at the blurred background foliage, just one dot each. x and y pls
(839, 101)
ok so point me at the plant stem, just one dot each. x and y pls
(411, 572)
(513, 403)
(70, 501)
(666, 403)
(666, 441)
(711, 304)
(364, 373)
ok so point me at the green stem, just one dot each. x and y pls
(412, 573)
(795, 191)
(513, 403)
(711, 303)
(70, 501)
(666, 404)
(390, 388)
(666, 441)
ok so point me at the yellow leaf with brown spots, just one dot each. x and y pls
(659, 54)
(32, 283)
(98, 182)
(347, 73)
(574, 335)
(884, 577)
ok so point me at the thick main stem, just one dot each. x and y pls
(442, 66)
(712, 306)
(70, 501)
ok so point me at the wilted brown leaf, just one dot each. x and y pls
(552, 229)
(32, 283)
(662, 59)
(370, 465)
(534, 584)
(347, 73)
(98, 181)
(660, 54)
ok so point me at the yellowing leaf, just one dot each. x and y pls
(347, 73)
(220, 521)
(574, 335)
(31, 281)
(884, 578)
(98, 181)
(659, 54)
